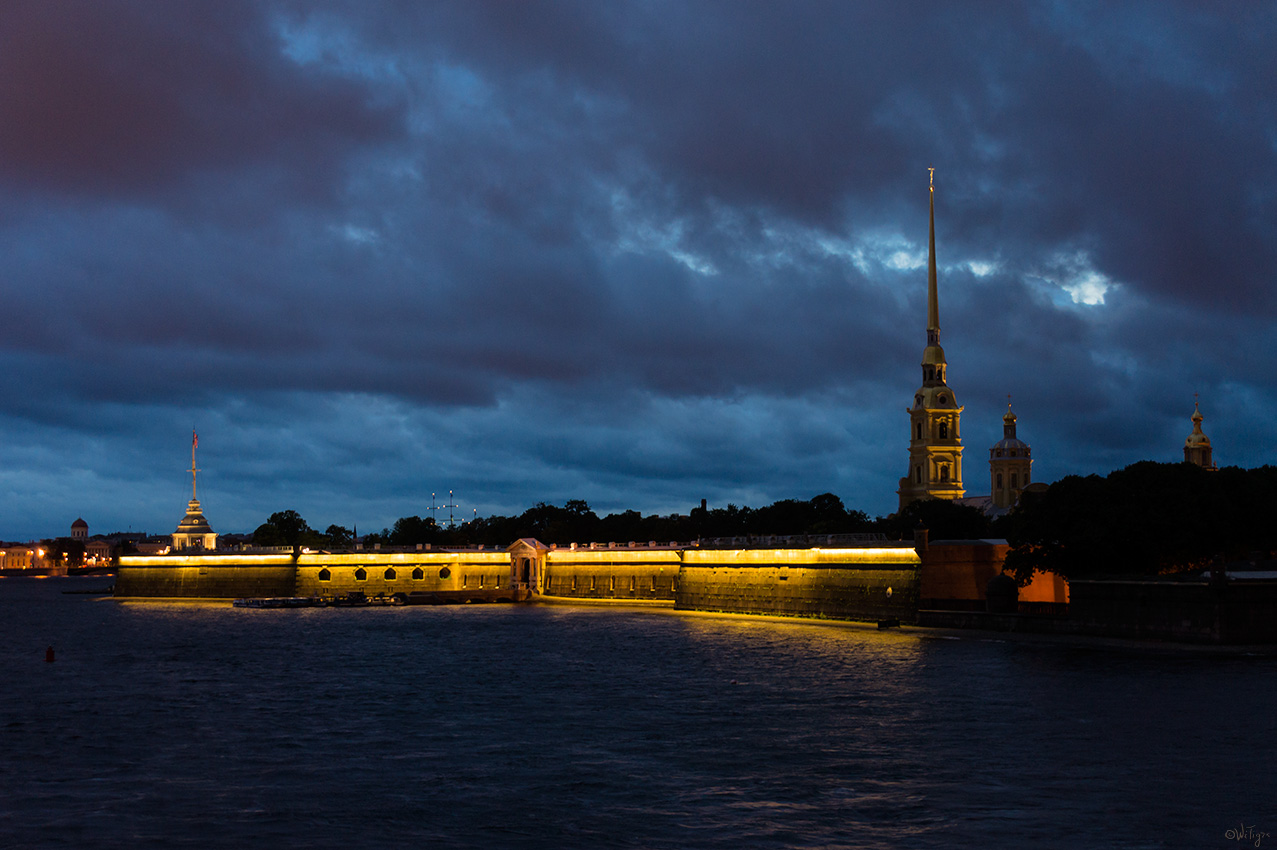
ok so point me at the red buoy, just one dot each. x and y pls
(48, 655)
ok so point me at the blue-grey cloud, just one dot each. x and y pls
(642, 254)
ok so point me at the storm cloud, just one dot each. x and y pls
(635, 253)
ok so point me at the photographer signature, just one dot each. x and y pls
(1246, 833)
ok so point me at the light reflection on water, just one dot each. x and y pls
(211, 726)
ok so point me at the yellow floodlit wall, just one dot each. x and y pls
(853, 583)
(877, 555)
(401, 572)
(870, 583)
(204, 576)
(630, 575)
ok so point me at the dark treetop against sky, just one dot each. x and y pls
(635, 253)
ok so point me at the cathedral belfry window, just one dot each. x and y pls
(1015, 481)
(944, 430)
(999, 480)
(944, 472)
(919, 430)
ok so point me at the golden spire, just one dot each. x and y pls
(933, 300)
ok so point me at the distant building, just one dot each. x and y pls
(1009, 465)
(1197, 446)
(193, 532)
(98, 551)
(80, 530)
(15, 556)
(935, 438)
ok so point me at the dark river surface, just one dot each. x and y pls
(204, 725)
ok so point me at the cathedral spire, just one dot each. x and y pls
(935, 441)
(933, 299)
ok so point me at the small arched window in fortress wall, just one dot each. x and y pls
(445, 572)
(418, 574)
(390, 574)
(361, 574)
(324, 575)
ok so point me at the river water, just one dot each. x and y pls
(201, 725)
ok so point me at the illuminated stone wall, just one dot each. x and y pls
(401, 572)
(236, 575)
(869, 584)
(628, 574)
(204, 576)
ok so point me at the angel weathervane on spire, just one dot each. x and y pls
(931, 180)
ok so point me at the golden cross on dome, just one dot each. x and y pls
(931, 180)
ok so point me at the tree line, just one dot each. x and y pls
(1146, 519)
(575, 522)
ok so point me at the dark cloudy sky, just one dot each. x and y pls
(635, 253)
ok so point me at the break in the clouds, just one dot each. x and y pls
(636, 253)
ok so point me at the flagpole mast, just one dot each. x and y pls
(195, 441)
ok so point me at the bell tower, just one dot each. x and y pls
(1010, 464)
(1197, 447)
(935, 439)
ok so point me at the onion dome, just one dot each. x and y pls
(1003, 447)
(1198, 437)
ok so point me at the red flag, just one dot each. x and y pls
(195, 440)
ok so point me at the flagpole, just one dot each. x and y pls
(195, 441)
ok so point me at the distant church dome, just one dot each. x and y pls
(1009, 440)
(79, 530)
(1010, 465)
(1197, 448)
(1198, 437)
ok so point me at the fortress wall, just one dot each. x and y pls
(233, 575)
(204, 576)
(959, 571)
(456, 571)
(1235, 611)
(636, 575)
(869, 584)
